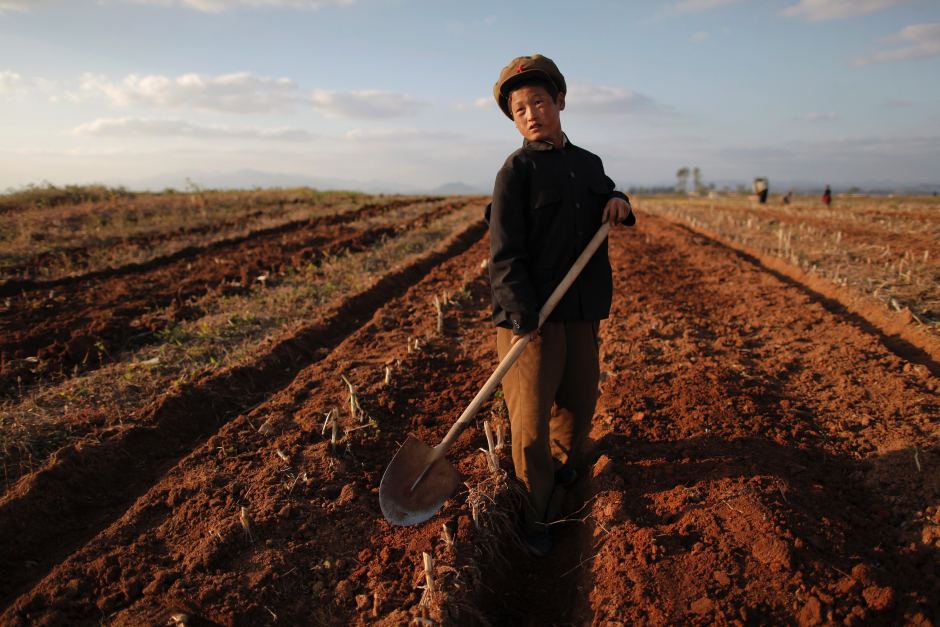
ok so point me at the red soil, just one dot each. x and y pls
(83, 321)
(757, 456)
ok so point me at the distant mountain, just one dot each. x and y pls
(249, 179)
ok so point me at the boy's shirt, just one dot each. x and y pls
(547, 205)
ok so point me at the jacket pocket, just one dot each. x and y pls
(545, 198)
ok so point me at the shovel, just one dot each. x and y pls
(419, 478)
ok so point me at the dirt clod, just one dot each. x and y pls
(879, 598)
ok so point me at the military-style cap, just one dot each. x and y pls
(523, 68)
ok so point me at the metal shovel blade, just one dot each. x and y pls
(400, 504)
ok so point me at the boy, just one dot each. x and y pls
(549, 199)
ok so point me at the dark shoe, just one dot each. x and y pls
(538, 543)
(566, 476)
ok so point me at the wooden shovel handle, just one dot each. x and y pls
(490, 386)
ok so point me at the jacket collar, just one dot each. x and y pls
(544, 146)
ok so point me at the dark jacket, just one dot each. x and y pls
(547, 205)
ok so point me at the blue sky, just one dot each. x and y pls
(399, 91)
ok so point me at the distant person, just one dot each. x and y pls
(762, 189)
(786, 198)
(827, 196)
(549, 200)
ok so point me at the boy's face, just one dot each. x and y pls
(535, 113)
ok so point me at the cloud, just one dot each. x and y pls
(241, 92)
(858, 150)
(923, 40)
(483, 102)
(699, 37)
(603, 99)
(218, 6)
(685, 7)
(143, 127)
(396, 134)
(817, 10)
(13, 83)
(821, 116)
(369, 104)
(17, 5)
(10, 81)
(206, 6)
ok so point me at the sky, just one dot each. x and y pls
(398, 93)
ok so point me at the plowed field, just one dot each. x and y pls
(760, 454)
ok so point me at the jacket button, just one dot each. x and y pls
(572, 175)
(577, 205)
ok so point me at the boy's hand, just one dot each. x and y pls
(534, 336)
(616, 211)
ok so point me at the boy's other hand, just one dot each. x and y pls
(616, 211)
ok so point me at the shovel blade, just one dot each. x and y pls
(400, 504)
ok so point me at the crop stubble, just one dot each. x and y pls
(756, 456)
(77, 323)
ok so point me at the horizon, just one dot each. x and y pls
(398, 93)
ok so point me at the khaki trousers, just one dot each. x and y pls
(550, 392)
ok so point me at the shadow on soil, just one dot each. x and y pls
(844, 511)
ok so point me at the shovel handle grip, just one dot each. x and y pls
(490, 386)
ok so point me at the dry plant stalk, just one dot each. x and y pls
(355, 409)
(490, 451)
(500, 436)
(493, 504)
(178, 618)
(245, 520)
(447, 534)
(331, 421)
(282, 455)
(428, 578)
(327, 419)
(488, 430)
(388, 375)
(266, 427)
(440, 315)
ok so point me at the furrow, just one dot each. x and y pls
(239, 466)
(87, 486)
(88, 324)
(17, 287)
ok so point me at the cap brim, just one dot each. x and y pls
(529, 74)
